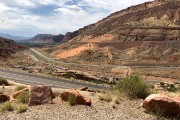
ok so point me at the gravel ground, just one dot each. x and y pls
(65, 112)
(100, 110)
(126, 110)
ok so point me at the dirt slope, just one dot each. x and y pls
(8, 47)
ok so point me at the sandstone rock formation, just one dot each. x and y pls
(163, 103)
(40, 95)
(81, 100)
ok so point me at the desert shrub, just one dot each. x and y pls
(7, 106)
(133, 87)
(30, 71)
(22, 108)
(18, 88)
(23, 97)
(72, 99)
(171, 88)
(162, 84)
(3, 82)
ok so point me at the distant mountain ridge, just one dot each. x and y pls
(16, 38)
(45, 38)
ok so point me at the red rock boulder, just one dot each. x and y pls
(4, 98)
(168, 105)
(80, 100)
(40, 95)
(177, 98)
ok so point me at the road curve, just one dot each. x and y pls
(31, 79)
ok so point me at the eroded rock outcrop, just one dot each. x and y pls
(81, 100)
(40, 94)
(155, 102)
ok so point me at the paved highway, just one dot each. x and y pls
(32, 79)
(42, 57)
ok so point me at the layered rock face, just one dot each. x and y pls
(145, 33)
(158, 16)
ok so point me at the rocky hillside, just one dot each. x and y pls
(145, 33)
(157, 16)
(8, 47)
(46, 38)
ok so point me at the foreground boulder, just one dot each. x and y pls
(40, 95)
(80, 100)
(4, 98)
(164, 103)
(19, 92)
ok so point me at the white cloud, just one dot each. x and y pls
(17, 18)
(25, 3)
(3, 7)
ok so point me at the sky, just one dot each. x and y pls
(31, 17)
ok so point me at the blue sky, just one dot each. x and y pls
(31, 17)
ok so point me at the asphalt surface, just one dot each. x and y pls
(42, 57)
(31, 79)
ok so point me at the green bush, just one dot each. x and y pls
(72, 99)
(3, 82)
(18, 88)
(23, 97)
(22, 108)
(171, 88)
(7, 106)
(133, 87)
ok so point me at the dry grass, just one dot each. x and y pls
(105, 97)
(18, 88)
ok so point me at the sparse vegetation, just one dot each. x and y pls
(30, 71)
(171, 88)
(133, 87)
(72, 99)
(3, 82)
(158, 112)
(7, 106)
(18, 88)
(23, 97)
(22, 108)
